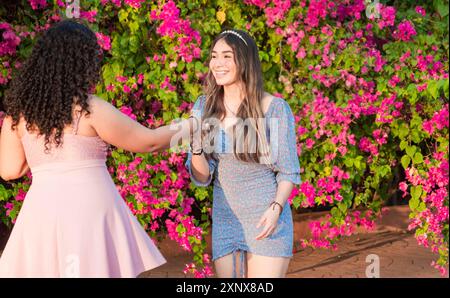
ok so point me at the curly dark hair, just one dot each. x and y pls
(63, 67)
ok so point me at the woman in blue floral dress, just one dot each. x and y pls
(246, 146)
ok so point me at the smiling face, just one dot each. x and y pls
(222, 64)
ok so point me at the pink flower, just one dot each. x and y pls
(421, 87)
(301, 130)
(121, 79)
(276, 13)
(9, 206)
(126, 89)
(301, 53)
(379, 61)
(103, 41)
(88, 15)
(342, 149)
(166, 84)
(317, 10)
(403, 187)
(10, 40)
(171, 24)
(366, 145)
(394, 81)
(439, 120)
(134, 3)
(387, 16)
(293, 194)
(173, 64)
(309, 143)
(20, 195)
(259, 3)
(405, 56)
(380, 136)
(128, 111)
(420, 10)
(36, 4)
(339, 174)
(404, 31)
(310, 192)
(428, 126)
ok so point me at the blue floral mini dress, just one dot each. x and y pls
(243, 191)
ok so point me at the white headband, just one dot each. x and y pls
(235, 33)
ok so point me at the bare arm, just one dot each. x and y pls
(200, 168)
(121, 131)
(284, 190)
(13, 163)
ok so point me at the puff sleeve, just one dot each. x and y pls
(283, 144)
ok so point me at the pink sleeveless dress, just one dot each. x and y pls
(73, 222)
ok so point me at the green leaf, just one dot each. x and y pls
(415, 136)
(180, 228)
(342, 207)
(418, 158)
(416, 121)
(442, 9)
(123, 15)
(412, 91)
(421, 207)
(357, 164)
(134, 26)
(405, 161)
(201, 193)
(413, 204)
(403, 130)
(416, 191)
(140, 206)
(134, 44)
(348, 162)
(403, 144)
(123, 41)
(384, 170)
(410, 150)
(335, 212)
(432, 89)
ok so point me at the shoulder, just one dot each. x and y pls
(96, 102)
(200, 102)
(7, 124)
(266, 102)
(199, 105)
(7, 121)
(278, 107)
(100, 111)
(99, 106)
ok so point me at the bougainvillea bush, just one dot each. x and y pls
(367, 81)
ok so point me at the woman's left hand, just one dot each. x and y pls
(270, 221)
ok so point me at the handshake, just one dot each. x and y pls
(190, 130)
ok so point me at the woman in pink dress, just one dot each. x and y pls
(73, 222)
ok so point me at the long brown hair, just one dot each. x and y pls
(249, 73)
